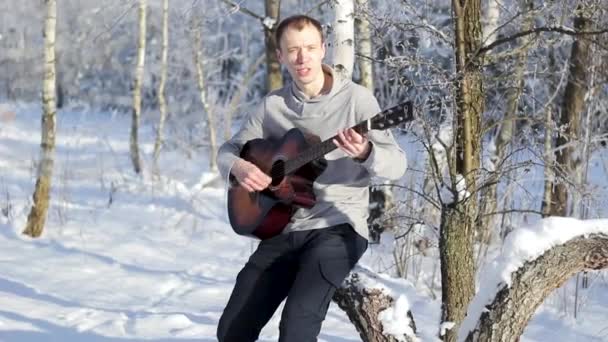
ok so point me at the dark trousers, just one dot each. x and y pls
(306, 267)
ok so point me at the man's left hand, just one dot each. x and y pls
(354, 144)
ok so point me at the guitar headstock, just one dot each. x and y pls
(393, 116)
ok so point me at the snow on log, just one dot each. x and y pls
(534, 261)
(379, 312)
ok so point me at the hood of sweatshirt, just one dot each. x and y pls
(339, 84)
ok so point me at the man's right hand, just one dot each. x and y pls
(250, 176)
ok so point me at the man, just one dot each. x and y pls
(319, 247)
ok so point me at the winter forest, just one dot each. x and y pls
(113, 219)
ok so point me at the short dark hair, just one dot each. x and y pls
(298, 22)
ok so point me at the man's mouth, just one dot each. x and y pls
(302, 71)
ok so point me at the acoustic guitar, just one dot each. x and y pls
(293, 162)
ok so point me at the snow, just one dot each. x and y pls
(395, 321)
(152, 257)
(522, 245)
(445, 326)
(269, 22)
(447, 194)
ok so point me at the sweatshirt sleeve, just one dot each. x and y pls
(251, 128)
(386, 159)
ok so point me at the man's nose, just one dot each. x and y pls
(301, 56)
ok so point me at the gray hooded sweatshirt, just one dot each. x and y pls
(342, 189)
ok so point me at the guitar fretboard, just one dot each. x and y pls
(318, 151)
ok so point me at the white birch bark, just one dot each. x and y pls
(343, 57)
(139, 76)
(491, 16)
(199, 61)
(364, 46)
(37, 216)
(163, 79)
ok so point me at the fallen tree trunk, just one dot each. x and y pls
(507, 316)
(365, 305)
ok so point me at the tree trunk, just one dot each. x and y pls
(381, 197)
(549, 156)
(343, 58)
(570, 120)
(163, 78)
(457, 267)
(491, 17)
(139, 77)
(363, 306)
(200, 73)
(364, 46)
(274, 78)
(489, 194)
(507, 316)
(37, 216)
(458, 218)
(236, 98)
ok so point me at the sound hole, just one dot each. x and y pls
(277, 172)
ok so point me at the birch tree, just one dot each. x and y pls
(37, 216)
(199, 63)
(491, 17)
(139, 76)
(163, 79)
(363, 45)
(504, 136)
(343, 42)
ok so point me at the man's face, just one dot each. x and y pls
(302, 52)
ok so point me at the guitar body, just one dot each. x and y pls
(265, 214)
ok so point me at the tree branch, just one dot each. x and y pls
(558, 29)
(505, 318)
(240, 8)
(319, 5)
(509, 211)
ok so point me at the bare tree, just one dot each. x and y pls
(139, 77)
(567, 143)
(505, 133)
(274, 78)
(162, 104)
(37, 216)
(381, 196)
(458, 217)
(199, 61)
(236, 98)
(548, 152)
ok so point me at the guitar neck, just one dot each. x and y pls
(388, 118)
(319, 150)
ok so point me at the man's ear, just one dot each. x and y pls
(279, 56)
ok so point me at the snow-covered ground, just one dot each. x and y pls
(125, 257)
